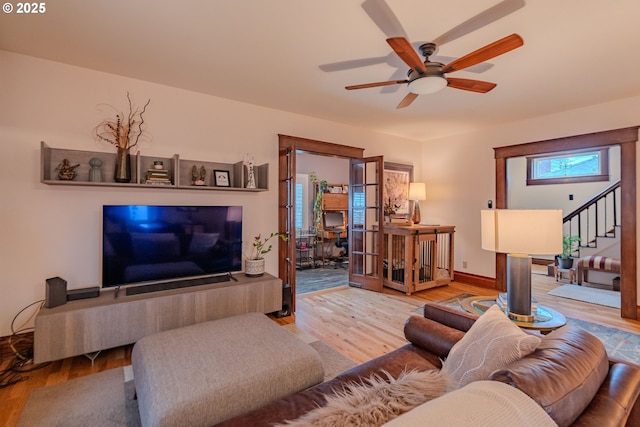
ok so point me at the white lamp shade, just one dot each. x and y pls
(427, 84)
(522, 231)
(417, 191)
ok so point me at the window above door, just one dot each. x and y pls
(569, 167)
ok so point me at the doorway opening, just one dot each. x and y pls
(289, 147)
(584, 185)
(321, 216)
(626, 138)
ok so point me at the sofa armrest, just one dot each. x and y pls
(431, 335)
(457, 319)
(615, 403)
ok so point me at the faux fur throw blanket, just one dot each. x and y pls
(376, 400)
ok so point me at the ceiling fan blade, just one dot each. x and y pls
(353, 63)
(377, 84)
(492, 50)
(470, 85)
(382, 15)
(407, 100)
(482, 19)
(405, 51)
(397, 75)
(478, 68)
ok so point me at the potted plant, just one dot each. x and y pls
(321, 187)
(254, 265)
(569, 245)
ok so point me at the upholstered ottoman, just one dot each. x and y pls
(205, 373)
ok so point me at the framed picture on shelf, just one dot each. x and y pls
(221, 178)
(395, 191)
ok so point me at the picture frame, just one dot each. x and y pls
(395, 190)
(221, 178)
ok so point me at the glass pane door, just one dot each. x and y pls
(365, 223)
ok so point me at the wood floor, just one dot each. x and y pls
(359, 324)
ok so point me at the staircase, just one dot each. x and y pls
(597, 223)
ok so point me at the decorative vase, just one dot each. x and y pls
(122, 172)
(254, 267)
(95, 173)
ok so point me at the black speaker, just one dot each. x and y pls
(287, 301)
(55, 292)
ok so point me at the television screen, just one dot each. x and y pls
(156, 243)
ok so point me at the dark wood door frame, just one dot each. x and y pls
(287, 148)
(626, 138)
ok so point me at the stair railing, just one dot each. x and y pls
(598, 217)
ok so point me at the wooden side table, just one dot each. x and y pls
(545, 320)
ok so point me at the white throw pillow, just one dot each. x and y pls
(492, 343)
(483, 403)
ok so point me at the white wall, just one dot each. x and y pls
(460, 170)
(55, 231)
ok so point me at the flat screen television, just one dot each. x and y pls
(142, 243)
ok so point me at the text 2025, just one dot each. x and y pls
(31, 7)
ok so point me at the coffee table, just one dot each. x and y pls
(545, 319)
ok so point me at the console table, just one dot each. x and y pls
(95, 324)
(417, 257)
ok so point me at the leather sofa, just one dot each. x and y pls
(569, 374)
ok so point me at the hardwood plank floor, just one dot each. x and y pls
(359, 324)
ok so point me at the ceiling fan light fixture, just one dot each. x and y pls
(427, 84)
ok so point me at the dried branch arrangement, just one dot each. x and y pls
(125, 130)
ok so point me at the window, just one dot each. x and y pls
(569, 167)
(302, 202)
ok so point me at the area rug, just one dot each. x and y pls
(586, 294)
(620, 344)
(106, 399)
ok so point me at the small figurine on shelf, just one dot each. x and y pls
(251, 178)
(66, 172)
(198, 176)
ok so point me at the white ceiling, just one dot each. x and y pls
(269, 53)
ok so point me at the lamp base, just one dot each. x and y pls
(519, 287)
(416, 213)
(521, 317)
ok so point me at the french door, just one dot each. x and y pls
(366, 223)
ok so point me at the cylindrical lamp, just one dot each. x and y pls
(417, 192)
(518, 233)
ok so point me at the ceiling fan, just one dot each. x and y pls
(429, 73)
(426, 77)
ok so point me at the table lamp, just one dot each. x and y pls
(519, 233)
(417, 192)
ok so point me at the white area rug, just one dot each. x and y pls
(586, 294)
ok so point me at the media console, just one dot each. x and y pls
(91, 325)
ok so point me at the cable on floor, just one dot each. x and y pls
(21, 347)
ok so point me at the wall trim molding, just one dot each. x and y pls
(474, 279)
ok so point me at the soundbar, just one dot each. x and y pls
(76, 294)
(176, 284)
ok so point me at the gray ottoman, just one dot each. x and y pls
(206, 373)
